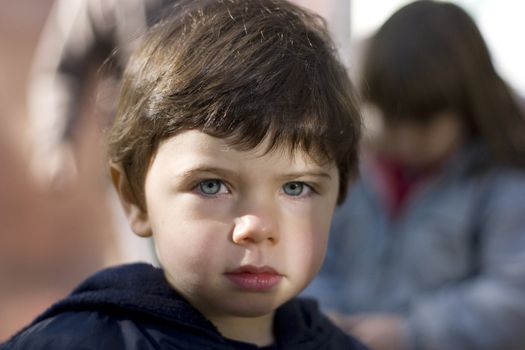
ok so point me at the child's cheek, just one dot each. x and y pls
(311, 215)
(304, 248)
(198, 208)
(306, 232)
(191, 250)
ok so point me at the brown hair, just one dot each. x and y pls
(242, 71)
(430, 57)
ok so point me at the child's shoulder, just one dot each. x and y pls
(124, 307)
(69, 329)
(96, 330)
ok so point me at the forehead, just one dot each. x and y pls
(193, 146)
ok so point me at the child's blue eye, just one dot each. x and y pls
(294, 188)
(210, 187)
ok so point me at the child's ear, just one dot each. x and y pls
(137, 217)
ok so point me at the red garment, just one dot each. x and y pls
(399, 181)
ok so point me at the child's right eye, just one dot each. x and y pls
(212, 187)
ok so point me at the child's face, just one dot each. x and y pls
(238, 233)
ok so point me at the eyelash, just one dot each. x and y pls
(222, 186)
(308, 188)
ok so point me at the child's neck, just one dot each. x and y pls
(255, 330)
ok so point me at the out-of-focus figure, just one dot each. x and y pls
(428, 251)
(79, 36)
(83, 49)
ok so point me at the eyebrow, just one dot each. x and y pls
(207, 169)
(228, 173)
(311, 173)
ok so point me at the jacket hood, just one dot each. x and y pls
(142, 289)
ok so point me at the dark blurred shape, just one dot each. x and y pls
(84, 47)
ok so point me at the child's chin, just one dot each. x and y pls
(254, 308)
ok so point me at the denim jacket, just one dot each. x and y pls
(452, 262)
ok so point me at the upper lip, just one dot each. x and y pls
(255, 270)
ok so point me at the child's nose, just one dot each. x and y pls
(251, 228)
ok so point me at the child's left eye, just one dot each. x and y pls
(296, 189)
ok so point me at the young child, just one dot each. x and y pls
(235, 138)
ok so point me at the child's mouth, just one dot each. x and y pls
(254, 278)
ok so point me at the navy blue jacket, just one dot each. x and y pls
(133, 307)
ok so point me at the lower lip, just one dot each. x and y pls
(255, 281)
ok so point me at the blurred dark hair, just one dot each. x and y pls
(430, 57)
(242, 71)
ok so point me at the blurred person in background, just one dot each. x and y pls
(428, 251)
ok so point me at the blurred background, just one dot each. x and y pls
(51, 239)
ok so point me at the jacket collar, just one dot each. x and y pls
(142, 288)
